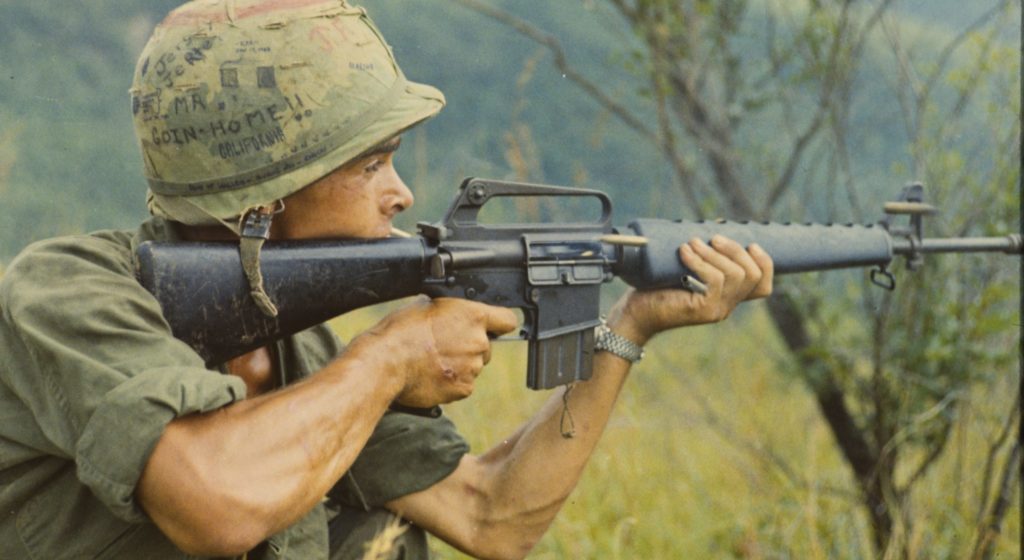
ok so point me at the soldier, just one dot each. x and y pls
(118, 442)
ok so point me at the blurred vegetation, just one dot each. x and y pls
(791, 129)
(723, 445)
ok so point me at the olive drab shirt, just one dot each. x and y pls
(89, 377)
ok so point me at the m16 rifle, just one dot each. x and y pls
(553, 272)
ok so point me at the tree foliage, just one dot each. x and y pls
(759, 107)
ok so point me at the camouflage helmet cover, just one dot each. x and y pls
(239, 103)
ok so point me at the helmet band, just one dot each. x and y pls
(333, 138)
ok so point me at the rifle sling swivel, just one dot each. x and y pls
(255, 232)
(883, 278)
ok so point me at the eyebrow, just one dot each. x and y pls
(385, 147)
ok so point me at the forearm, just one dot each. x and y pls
(533, 473)
(498, 505)
(230, 478)
(239, 474)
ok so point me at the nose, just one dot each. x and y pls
(402, 197)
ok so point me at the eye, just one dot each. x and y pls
(373, 166)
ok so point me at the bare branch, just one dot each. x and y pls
(674, 64)
(757, 449)
(993, 450)
(933, 454)
(785, 180)
(915, 94)
(906, 87)
(561, 62)
(947, 52)
(825, 98)
(979, 70)
(991, 529)
(839, 135)
(684, 175)
(713, 138)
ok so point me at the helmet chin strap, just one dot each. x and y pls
(254, 231)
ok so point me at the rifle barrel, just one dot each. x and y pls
(1010, 244)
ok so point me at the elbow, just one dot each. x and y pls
(198, 508)
(489, 546)
(218, 542)
(516, 552)
(212, 522)
(505, 537)
(500, 532)
(218, 531)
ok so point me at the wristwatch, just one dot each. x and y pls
(605, 339)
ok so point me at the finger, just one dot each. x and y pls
(465, 380)
(719, 259)
(767, 266)
(728, 247)
(419, 301)
(737, 254)
(499, 320)
(496, 320)
(733, 273)
(711, 276)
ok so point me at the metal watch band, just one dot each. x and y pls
(605, 339)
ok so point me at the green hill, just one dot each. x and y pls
(64, 120)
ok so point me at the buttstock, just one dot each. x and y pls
(205, 296)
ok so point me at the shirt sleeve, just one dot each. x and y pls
(89, 353)
(407, 453)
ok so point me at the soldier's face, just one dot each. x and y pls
(358, 200)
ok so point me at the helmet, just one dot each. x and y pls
(238, 103)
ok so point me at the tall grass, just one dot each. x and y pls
(713, 452)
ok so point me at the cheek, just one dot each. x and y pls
(340, 208)
(353, 212)
(354, 193)
(362, 198)
(354, 205)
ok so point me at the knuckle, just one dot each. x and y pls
(755, 276)
(735, 269)
(480, 340)
(719, 241)
(462, 391)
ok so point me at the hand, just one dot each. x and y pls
(732, 275)
(439, 346)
